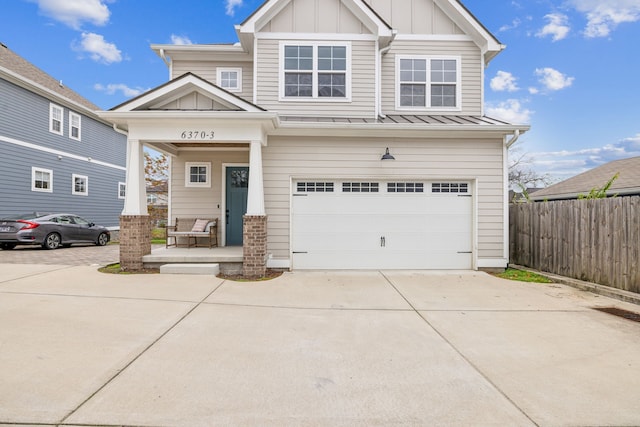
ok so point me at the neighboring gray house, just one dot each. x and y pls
(58, 155)
(343, 134)
(627, 183)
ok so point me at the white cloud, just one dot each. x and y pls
(112, 88)
(567, 163)
(603, 16)
(99, 49)
(510, 111)
(504, 81)
(180, 40)
(557, 27)
(74, 12)
(534, 90)
(232, 5)
(514, 24)
(553, 79)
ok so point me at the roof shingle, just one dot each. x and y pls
(13, 62)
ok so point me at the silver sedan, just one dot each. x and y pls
(50, 231)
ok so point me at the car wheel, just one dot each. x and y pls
(103, 239)
(52, 241)
(7, 246)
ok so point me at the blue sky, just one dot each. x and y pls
(570, 68)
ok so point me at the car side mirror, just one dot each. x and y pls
(91, 224)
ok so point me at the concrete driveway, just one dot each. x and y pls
(78, 347)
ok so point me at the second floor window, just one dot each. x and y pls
(428, 82)
(315, 71)
(55, 119)
(230, 79)
(74, 126)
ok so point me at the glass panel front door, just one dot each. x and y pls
(237, 187)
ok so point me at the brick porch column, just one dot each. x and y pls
(135, 241)
(254, 248)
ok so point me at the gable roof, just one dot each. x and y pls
(628, 183)
(184, 85)
(467, 21)
(27, 75)
(270, 8)
(371, 19)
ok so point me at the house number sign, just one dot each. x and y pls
(197, 134)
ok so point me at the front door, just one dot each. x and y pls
(236, 200)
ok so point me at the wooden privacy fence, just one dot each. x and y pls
(593, 240)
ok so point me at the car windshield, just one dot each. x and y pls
(32, 215)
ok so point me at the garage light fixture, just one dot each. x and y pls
(387, 156)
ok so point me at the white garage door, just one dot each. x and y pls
(382, 225)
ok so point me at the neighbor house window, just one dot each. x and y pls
(198, 175)
(230, 79)
(315, 71)
(55, 119)
(41, 180)
(80, 185)
(122, 190)
(425, 82)
(74, 126)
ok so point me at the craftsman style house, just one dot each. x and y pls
(336, 134)
(58, 155)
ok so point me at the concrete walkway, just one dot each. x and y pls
(78, 347)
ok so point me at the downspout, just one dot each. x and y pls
(514, 138)
(120, 131)
(381, 52)
(164, 57)
(505, 166)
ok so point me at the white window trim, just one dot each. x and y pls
(72, 116)
(73, 185)
(428, 106)
(121, 186)
(187, 175)
(34, 170)
(52, 108)
(221, 70)
(315, 98)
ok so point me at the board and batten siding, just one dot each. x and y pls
(205, 202)
(443, 159)
(470, 68)
(207, 69)
(315, 16)
(414, 16)
(362, 104)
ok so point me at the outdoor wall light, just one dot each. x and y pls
(387, 156)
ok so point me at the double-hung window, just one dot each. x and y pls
(428, 83)
(74, 126)
(80, 185)
(122, 190)
(315, 70)
(55, 119)
(41, 180)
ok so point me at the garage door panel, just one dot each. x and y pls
(381, 230)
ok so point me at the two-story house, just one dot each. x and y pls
(343, 134)
(57, 154)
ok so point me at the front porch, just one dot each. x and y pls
(229, 258)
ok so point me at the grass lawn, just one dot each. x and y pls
(523, 276)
